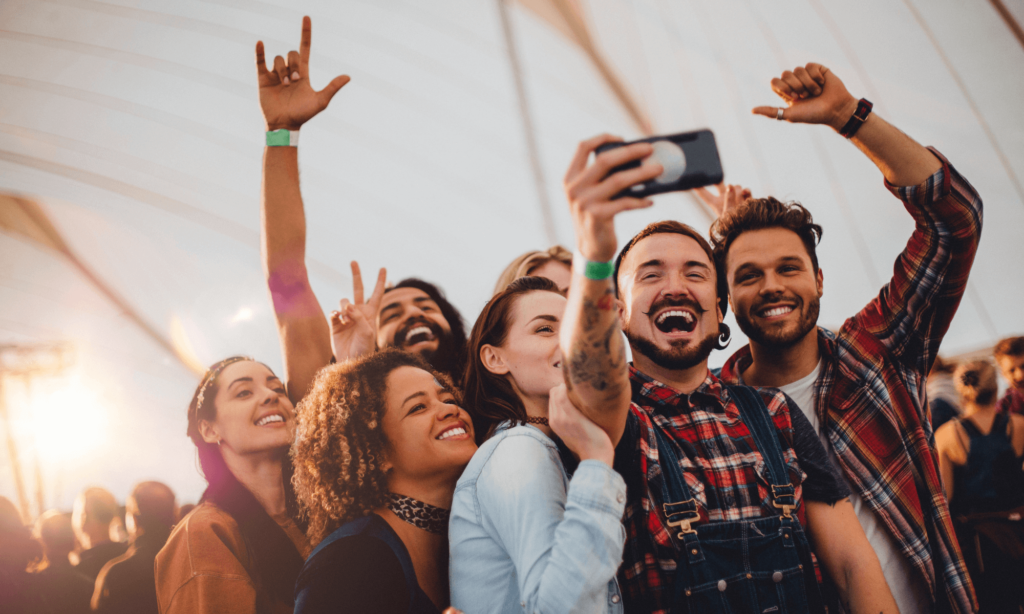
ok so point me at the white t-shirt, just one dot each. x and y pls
(909, 590)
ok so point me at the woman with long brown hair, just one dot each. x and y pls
(240, 550)
(536, 519)
(380, 444)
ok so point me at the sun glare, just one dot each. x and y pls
(69, 421)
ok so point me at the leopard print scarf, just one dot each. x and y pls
(419, 514)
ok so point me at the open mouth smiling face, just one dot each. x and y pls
(456, 431)
(676, 322)
(273, 420)
(775, 312)
(418, 334)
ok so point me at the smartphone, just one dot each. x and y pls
(690, 160)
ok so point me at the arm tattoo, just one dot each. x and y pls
(593, 359)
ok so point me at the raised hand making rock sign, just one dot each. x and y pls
(287, 98)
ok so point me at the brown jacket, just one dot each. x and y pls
(205, 567)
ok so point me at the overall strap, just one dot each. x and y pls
(755, 415)
(374, 526)
(678, 505)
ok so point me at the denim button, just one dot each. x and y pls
(777, 577)
(721, 585)
(620, 497)
(615, 598)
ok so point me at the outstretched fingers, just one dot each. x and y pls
(261, 60)
(378, 290)
(771, 112)
(332, 88)
(357, 283)
(307, 37)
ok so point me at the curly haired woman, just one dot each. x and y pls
(532, 527)
(380, 443)
(240, 550)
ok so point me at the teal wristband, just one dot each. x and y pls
(282, 138)
(597, 271)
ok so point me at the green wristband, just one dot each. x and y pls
(282, 138)
(597, 271)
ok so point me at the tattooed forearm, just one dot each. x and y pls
(597, 355)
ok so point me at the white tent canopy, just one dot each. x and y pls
(136, 124)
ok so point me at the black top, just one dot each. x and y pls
(360, 572)
(91, 561)
(126, 584)
(64, 589)
(824, 482)
(992, 479)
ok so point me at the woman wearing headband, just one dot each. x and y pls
(240, 550)
(533, 525)
(380, 444)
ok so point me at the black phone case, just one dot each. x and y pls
(702, 165)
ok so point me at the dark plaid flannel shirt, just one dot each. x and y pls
(721, 464)
(871, 390)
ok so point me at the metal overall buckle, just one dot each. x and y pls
(683, 523)
(787, 510)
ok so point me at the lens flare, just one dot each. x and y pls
(69, 421)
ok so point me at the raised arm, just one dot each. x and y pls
(594, 353)
(288, 101)
(912, 312)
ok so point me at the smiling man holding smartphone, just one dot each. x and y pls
(863, 389)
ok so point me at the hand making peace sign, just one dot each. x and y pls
(286, 96)
(354, 325)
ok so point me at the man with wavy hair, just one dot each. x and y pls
(863, 388)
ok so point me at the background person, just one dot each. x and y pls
(94, 511)
(380, 444)
(981, 455)
(125, 585)
(554, 263)
(862, 389)
(943, 399)
(1009, 355)
(60, 584)
(19, 590)
(240, 549)
(416, 317)
(533, 526)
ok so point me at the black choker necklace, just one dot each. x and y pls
(419, 514)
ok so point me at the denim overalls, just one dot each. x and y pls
(760, 566)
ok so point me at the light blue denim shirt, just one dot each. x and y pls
(523, 537)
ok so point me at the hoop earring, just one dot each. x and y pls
(724, 336)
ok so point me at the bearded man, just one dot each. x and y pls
(863, 388)
(721, 482)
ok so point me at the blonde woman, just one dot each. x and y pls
(554, 263)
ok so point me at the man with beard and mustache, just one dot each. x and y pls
(721, 481)
(863, 388)
(430, 326)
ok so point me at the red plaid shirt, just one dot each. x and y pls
(722, 467)
(871, 390)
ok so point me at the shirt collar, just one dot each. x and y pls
(732, 370)
(710, 390)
